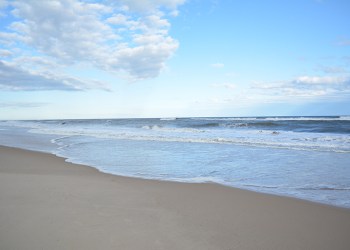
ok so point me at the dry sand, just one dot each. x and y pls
(46, 203)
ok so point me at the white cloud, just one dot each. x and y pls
(332, 70)
(311, 87)
(3, 4)
(119, 19)
(268, 86)
(69, 36)
(35, 62)
(107, 35)
(151, 5)
(13, 78)
(319, 80)
(5, 53)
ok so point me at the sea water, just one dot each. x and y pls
(302, 157)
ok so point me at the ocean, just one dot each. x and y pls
(301, 157)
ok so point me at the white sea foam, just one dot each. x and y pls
(259, 138)
(172, 129)
(168, 119)
(249, 153)
(305, 118)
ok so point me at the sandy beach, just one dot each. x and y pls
(47, 203)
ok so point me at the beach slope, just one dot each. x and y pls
(47, 203)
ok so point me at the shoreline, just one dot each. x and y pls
(192, 183)
(49, 203)
(179, 181)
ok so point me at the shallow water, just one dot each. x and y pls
(303, 157)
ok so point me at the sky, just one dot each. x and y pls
(173, 58)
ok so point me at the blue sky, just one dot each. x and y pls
(165, 58)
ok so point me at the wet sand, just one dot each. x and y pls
(47, 203)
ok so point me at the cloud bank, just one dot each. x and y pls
(310, 87)
(15, 105)
(121, 37)
(13, 78)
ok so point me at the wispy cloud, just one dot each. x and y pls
(217, 65)
(13, 78)
(307, 88)
(224, 85)
(322, 80)
(15, 105)
(332, 70)
(126, 36)
(3, 4)
(344, 42)
(5, 53)
(329, 87)
(150, 5)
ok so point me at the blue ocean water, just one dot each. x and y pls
(302, 157)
